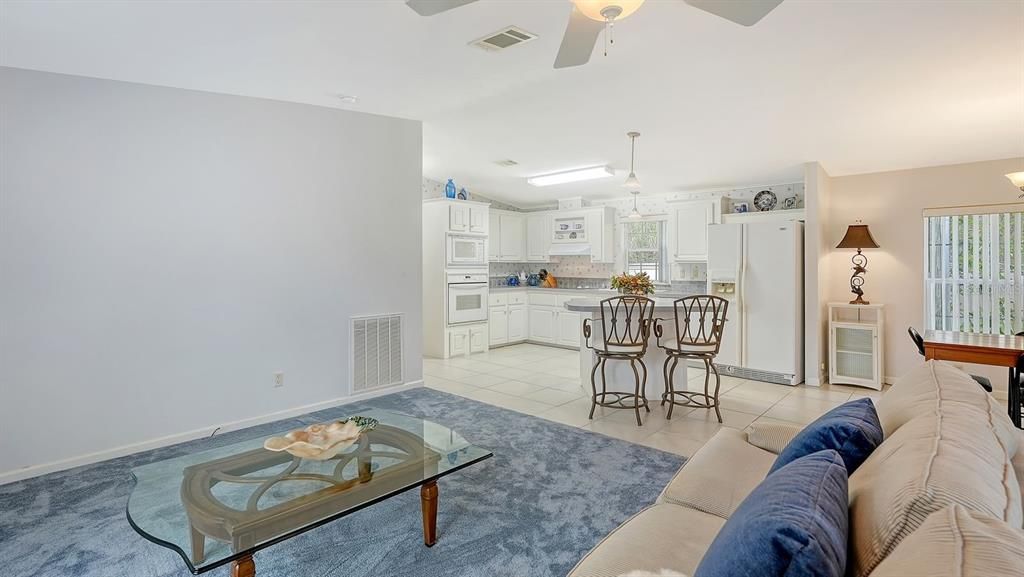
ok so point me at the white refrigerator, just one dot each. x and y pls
(759, 268)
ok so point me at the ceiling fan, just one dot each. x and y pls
(590, 17)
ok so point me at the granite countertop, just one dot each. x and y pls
(662, 303)
(543, 289)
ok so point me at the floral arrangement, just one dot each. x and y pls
(634, 284)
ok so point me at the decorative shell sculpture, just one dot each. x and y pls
(321, 441)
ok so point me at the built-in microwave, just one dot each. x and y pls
(464, 250)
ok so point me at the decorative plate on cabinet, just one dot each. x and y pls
(765, 200)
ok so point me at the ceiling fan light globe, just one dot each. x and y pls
(1017, 178)
(593, 9)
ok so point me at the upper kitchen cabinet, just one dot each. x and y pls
(465, 216)
(601, 224)
(538, 237)
(689, 228)
(587, 231)
(507, 236)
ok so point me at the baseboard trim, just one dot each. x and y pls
(96, 457)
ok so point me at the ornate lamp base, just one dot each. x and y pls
(860, 266)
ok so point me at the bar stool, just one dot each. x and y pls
(625, 327)
(699, 322)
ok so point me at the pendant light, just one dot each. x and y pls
(635, 213)
(632, 182)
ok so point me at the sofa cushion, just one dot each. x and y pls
(664, 536)
(955, 542)
(772, 437)
(919, 390)
(934, 461)
(793, 524)
(851, 429)
(720, 474)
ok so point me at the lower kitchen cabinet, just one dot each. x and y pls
(516, 323)
(497, 325)
(478, 338)
(570, 328)
(464, 340)
(542, 324)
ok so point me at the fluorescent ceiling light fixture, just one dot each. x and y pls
(574, 175)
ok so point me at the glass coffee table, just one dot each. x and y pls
(222, 505)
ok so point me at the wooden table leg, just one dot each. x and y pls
(243, 567)
(428, 503)
(1013, 399)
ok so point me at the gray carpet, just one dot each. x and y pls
(548, 495)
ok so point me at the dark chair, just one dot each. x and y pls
(625, 324)
(698, 323)
(919, 341)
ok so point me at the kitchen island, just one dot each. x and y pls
(619, 374)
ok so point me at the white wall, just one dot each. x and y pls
(891, 204)
(163, 252)
(817, 190)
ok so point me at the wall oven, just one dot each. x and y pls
(467, 250)
(467, 298)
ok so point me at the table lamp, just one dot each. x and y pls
(859, 237)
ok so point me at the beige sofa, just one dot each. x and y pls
(950, 454)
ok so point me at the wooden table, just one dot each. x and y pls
(994, 350)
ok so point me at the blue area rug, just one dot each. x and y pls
(548, 495)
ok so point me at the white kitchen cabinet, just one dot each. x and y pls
(507, 236)
(855, 344)
(458, 342)
(689, 228)
(513, 237)
(538, 237)
(570, 328)
(459, 217)
(542, 324)
(516, 323)
(479, 219)
(601, 229)
(478, 338)
(498, 324)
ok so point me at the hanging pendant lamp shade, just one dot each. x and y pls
(632, 182)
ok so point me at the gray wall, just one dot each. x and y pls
(164, 251)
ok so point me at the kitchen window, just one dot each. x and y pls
(974, 275)
(645, 250)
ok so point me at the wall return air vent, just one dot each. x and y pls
(503, 39)
(376, 352)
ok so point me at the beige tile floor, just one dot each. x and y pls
(544, 382)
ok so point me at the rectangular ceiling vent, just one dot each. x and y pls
(503, 39)
(376, 352)
(506, 162)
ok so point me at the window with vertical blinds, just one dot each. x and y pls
(974, 281)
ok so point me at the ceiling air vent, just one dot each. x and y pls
(504, 38)
(506, 162)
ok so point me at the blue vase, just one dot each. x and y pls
(449, 189)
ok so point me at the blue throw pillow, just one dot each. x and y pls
(852, 429)
(793, 524)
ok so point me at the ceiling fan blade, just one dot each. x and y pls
(431, 7)
(745, 12)
(579, 40)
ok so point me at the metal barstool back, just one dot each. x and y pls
(625, 325)
(699, 324)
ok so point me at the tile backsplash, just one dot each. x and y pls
(566, 266)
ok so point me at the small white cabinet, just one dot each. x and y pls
(516, 323)
(542, 324)
(689, 228)
(856, 344)
(497, 324)
(507, 232)
(538, 237)
(570, 328)
(478, 338)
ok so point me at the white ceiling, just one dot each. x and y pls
(858, 86)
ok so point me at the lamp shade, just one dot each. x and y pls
(1017, 178)
(858, 236)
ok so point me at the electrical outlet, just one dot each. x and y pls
(278, 379)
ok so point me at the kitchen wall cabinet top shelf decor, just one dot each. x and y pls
(856, 334)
